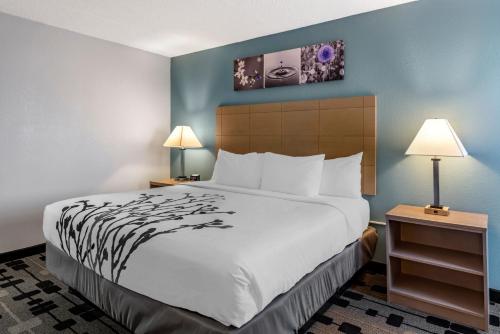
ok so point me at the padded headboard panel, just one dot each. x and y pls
(337, 127)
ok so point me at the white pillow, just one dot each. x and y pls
(342, 177)
(214, 173)
(238, 170)
(292, 175)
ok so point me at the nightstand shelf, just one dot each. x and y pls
(442, 257)
(440, 294)
(438, 264)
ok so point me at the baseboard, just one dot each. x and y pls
(19, 253)
(376, 222)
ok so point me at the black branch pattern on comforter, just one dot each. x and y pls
(95, 234)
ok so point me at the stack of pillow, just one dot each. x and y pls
(304, 176)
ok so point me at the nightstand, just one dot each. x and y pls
(439, 264)
(166, 183)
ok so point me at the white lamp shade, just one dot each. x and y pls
(436, 137)
(182, 137)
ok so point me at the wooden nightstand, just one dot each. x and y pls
(166, 183)
(439, 264)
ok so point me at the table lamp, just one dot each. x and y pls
(182, 138)
(436, 138)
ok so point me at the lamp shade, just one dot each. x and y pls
(436, 137)
(182, 137)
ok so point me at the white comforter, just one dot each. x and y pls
(223, 252)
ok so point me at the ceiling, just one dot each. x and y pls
(176, 27)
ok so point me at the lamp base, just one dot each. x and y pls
(437, 210)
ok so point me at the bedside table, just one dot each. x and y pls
(439, 264)
(166, 183)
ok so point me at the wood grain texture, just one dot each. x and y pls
(235, 144)
(457, 219)
(438, 264)
(300, 145)
(439, 270)
(235, 124)
(341, 122)
(300, 105)
(447, 313)
(265, 124)
(262, 144)
(236, 109)
(337, 127)
(347, 102)
(302, 122)
(445, 238)
(369, 180)
(265, 107)
(218, 125)
(166, 183)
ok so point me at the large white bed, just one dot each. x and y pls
(259, 249)
(223, 252)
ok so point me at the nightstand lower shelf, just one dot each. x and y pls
(452, 297)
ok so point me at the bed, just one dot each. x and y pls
(209, 258)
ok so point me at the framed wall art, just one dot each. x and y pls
(314, 63)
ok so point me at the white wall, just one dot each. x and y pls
(78, 116)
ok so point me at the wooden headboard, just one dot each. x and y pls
(337, 127)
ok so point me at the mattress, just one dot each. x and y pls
(222, 252)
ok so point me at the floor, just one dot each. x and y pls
(33, 301)
(363, 309)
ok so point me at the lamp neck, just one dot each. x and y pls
(182, 162)
(435, 173)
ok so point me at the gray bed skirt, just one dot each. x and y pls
(285, 314)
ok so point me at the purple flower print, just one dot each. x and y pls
(325, 53)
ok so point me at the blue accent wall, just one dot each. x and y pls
(422, 60)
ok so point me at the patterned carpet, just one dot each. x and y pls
(33, 301)
(362, 309)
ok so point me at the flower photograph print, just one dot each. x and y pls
(322, 62)
(282, 68)
(319, 62)
(248, 73)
